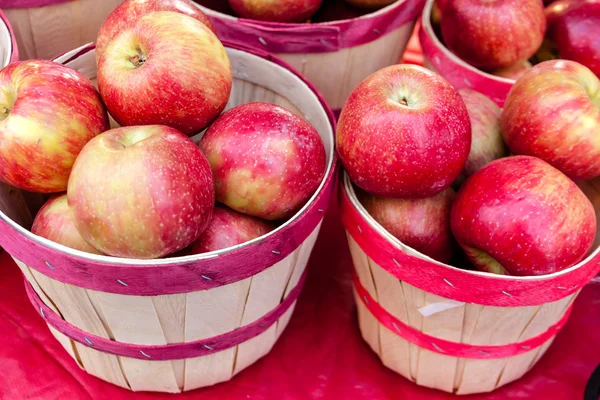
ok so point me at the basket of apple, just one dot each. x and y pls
(472, 229)
(172, 248)
(486, 46)
(334, 43)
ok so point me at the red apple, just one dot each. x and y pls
(486, 142)
(553, 113)
(276, 10)
(130, 11)
(521, 216)
(48, 112)
(370, 3)
(266, 160)
(493, 34)
(515, 71)
(166, 68)
(54, 222)
(228, 228)
(141, 192)
(574, 28)
(422, 224)
(404, 132)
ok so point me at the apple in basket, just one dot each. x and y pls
(404, 132)
(493, 34)
(228, 228)
(276, 10)
(130, 11)
(48, 112)
(166, 68)
(521, 216)
(515, 71)
(370, 3)
(422, 224)
(267, 161)
(54, 222)
(574, 28)
(141, 192)
(553, 112)
(486, 143)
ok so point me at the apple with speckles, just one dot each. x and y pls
(168, 69)
(422, 224)
(521, 216)
(141, 192)
(276, 10)
(574, 28)
(130, 11)
(370, 4)
(493, 34)
(267, 161)
(487, 144)
(229, 228)
(54, 222)
(553, 113)
(404, 132)
(48, 112)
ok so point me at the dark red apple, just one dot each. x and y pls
(521, 216)
(404, 132)
(422, 224)
(493, 34)
(276, 10)
(266, 160)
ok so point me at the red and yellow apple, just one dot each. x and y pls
(521, 216)
(276, 10)
(487, 144)
(166, 68)
(574, 28)
(228, 228)
(404, 132)
(141, 192)
(422, 224)
(267, 161)
(48, 112)
(515, 71)
(370, 3)
(54, 222)
(493, 34)
(126, 15)
(553, 113)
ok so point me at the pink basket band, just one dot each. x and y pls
(170, 351)
(454, 349)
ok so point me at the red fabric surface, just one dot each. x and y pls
(321, 355)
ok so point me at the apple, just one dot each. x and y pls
(574, 28)
(276, 10)
(266, 160)
(404, 132)
(370, 3)
(54, 222)
(521, 216)
(486, 141)
(130, 11)
(168, 69)
(493, 34)
(422, 224)
(515, 71)
(141, 192)
(553, 113)
(48, 112)
(228, 228)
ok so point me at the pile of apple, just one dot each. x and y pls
(406, 138)
(506, 37)
(146, 190)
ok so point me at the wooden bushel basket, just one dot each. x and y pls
(450, 329)
(177, 324)
(439, 58)
(335, 56)
(45, 28)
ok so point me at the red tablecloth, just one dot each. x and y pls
(320, 356)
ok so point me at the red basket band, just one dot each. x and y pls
(454, 349)
(175, 351)
(457, 284)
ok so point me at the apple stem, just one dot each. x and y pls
(404, 101)
(138, 60)
(5, 112)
